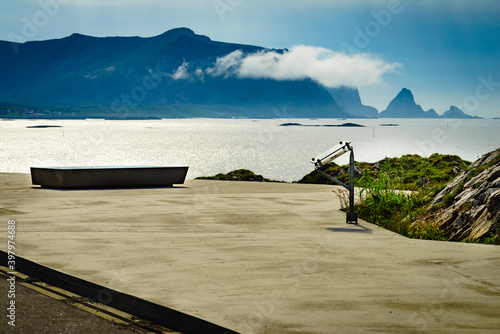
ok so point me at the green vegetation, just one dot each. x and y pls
(400, 211)
(410, 172)
(397, 191)
(495, 238)
(449, 198)
(237, 175)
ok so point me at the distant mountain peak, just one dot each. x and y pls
(404, 106)
(78, 36)
(455, 112)
(180, 32)
(405, 93)
(431, 113)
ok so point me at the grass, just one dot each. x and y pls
(403, 212)
(409, 172)
(495, 238)
(397, 191)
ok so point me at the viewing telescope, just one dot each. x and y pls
(330, 155)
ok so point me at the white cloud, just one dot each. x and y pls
(182, 72)
(200, 74)
(327, 67)
(227, 65)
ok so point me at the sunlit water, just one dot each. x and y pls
(210, 146)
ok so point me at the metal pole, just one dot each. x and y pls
(351, 215)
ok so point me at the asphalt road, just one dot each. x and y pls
(37, 313)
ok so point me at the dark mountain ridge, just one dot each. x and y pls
(455, 112)
(404, 106)
(166, 70)
(174, 74)
(348, 97)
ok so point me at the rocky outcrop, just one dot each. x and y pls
(238, 175)
(404, 106)
(469, 207)
(455, 112)
(348, 97)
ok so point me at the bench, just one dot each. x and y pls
(107, 177)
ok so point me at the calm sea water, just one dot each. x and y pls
(210, 146)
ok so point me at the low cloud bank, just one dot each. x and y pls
(327, 67)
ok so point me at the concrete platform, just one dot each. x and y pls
(107, 177)
(256, 257)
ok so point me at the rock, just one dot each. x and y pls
(291, 124)
(449, 188)
(469, 207)
(456, 170)
(238, 175)
(424, 181)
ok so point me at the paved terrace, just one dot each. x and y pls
(256, 257)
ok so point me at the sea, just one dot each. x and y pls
(210, 146)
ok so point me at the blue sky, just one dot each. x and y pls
(447, 51)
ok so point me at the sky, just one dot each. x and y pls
(446, 52)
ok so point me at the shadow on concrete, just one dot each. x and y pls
(356, 228)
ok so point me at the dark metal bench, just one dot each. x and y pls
(107, 177)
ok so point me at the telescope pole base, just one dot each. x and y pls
(351, 218)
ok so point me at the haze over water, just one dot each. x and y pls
(210, 146)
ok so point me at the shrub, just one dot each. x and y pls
(399, 211)
(425, 227)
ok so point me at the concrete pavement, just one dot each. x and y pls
(256, 257)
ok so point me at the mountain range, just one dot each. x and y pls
(175, 74)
